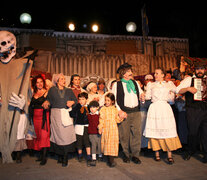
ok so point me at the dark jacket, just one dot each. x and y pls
(79, 118)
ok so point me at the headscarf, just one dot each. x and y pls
(56, 78)
(90, 85)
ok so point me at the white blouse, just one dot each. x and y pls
(160, 91)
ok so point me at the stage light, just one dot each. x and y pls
(95, 28)
(25, 18)
(131, 27)
(71, 26)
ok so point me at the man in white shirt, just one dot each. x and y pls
(128, 95)
(196, 111)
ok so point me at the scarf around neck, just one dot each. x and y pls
(130, 85)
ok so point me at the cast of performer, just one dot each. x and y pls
(196, 110)
(160, 124)
(79, 113)
(95, 138)
(62, 139)
(128, 94)
(108, 128)
(40, 118)
(75, 85)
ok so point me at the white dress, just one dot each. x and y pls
(160, 123)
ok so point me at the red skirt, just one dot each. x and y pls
(43, 134)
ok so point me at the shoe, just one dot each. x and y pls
(136, 160)
(43, 162)
(187, 156)
(126, 159)
(204, 160)
(89, 162)
(170, 161)
(60, 160)
(18, 157)
(81, 159)
(100, 159)
(65, 161)
(93, 163)
(111, 164)
(157, 158)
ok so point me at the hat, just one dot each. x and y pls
(124, 66)
(200, 64)
(148, 76)
(56, 78)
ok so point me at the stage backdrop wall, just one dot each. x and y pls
(102, 65)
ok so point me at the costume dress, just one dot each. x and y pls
(62, 137)
(110, 135)
(160, 125)
(41, 123)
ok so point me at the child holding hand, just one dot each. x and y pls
(109, 129)
(94, 136)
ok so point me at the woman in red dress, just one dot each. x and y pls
(40, 119)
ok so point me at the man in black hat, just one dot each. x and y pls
(128, 94)
(196, 110)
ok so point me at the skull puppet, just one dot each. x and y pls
(7, 46)
(14, 73)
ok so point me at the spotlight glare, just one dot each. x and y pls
(25, 18)
(71, 26)
(95, 27)
(131, 27)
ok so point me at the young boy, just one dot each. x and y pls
(79, 113)
(95, 138)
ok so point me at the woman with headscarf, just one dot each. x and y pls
(63, 137)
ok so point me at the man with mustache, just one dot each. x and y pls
(128, 95)
(196, 111)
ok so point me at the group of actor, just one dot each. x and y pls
(97, 121)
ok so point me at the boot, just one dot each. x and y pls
(44, 157)
(111, 162)
(65, 161)
(18, 157)
(60, 159)
(40, 156)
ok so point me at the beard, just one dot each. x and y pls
(199, 75)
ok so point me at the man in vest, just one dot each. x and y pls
(128, 95)
(196, 111)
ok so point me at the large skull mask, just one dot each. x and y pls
(7, 46)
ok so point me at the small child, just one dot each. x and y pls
(79, 113)
(109, 129)
(95, 138)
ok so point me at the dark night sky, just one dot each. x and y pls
(166, 19)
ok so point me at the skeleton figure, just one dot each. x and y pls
(7, 46)
(11, 75)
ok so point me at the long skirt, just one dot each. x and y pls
(169, 144)
(43, 134)
(62, 138)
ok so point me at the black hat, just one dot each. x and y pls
(124, 66)
(200, 64)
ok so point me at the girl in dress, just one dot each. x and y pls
(160, 125)
(108, 128)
